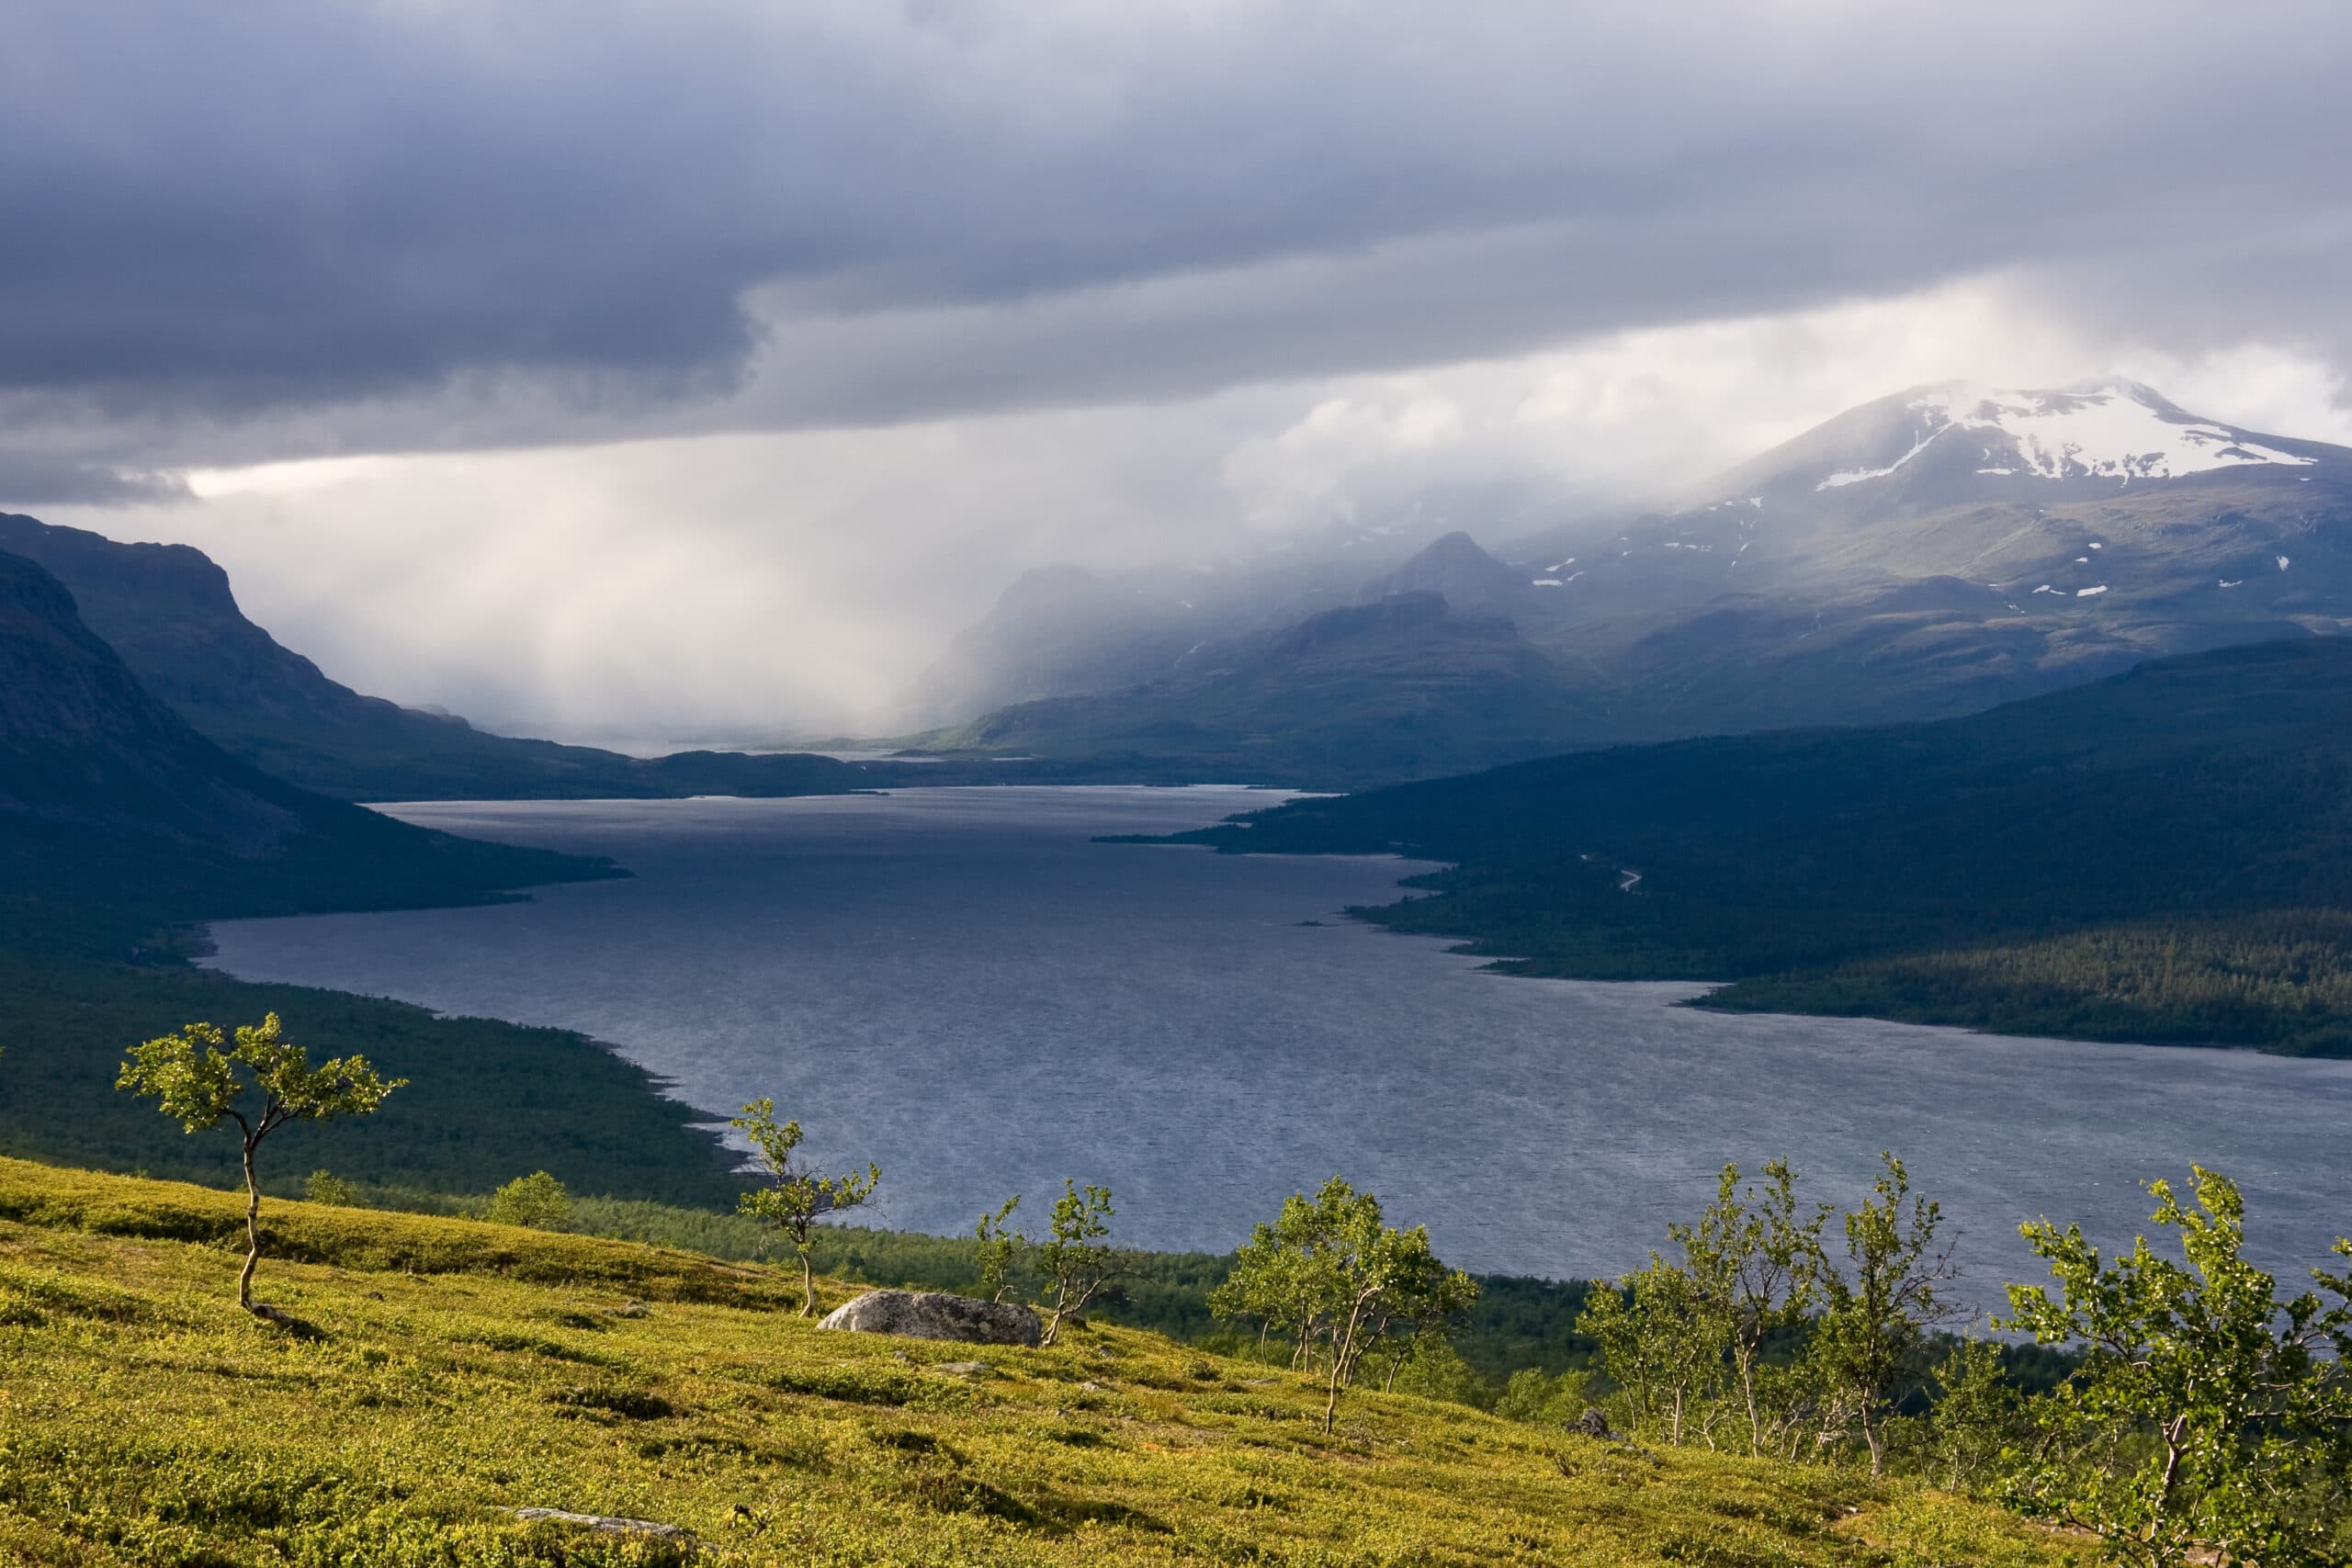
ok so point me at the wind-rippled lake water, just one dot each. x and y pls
(961, 985)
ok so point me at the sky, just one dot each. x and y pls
(708, 363)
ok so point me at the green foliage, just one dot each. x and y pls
(1428, 1365)
(1333, 1275)
(997, 1250)
(1688, 1339)
(538, 1201)
(262, 1084)
(324, 1185)
(195, 1083)
(487, 1098)
(2209, 1415)
(1754, 1263)
(1661, 1344)
(795, 1197)
(2279, 979)
(1871, 1339)
(1751, 1325)
(1980, 1422)
(1076, 1260)
(1543, 1401)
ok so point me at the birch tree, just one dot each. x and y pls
(2210, 1420)
(794, 1196)
(1881, 1308)
(1076, 1258)
(260, 1083)
(1335, 1274)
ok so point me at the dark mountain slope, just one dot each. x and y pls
(2211, 788)
(115, 816)
(1458, 571)
(168, 611)
(1395, 689)
(1064, 631)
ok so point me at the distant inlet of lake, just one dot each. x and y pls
(963, 985)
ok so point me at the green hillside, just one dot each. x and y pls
(2163, 855)
(451, 1372)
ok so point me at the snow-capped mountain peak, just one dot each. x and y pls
(2112, 429)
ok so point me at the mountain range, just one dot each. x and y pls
(1932, 553)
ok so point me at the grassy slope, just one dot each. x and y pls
(461, 1368)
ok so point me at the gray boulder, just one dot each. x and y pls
(601, 1524)
(935, 1314)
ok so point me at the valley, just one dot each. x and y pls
(947, 785)
(967, 987)
(1001, 960)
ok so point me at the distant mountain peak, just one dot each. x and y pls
(1453, 567)
(2111, 428)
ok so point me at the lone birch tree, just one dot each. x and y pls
(261, 1083)
(1076, 1260)
(795, 1197)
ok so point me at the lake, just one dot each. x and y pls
(961, 985)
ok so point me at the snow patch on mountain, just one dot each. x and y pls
(2118, 430)
(1856, 476)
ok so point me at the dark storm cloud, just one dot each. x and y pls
(29, 479)
(272, 228)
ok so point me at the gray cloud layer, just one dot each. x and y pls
(288, 227)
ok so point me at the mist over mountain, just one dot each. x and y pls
(1456, 569)
(2009, 490)
(1402, 687)
(1065, 631)
(1929, 553)
(168, 611)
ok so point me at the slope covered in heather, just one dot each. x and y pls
(455, 1372)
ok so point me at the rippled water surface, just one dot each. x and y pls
(959, 983)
